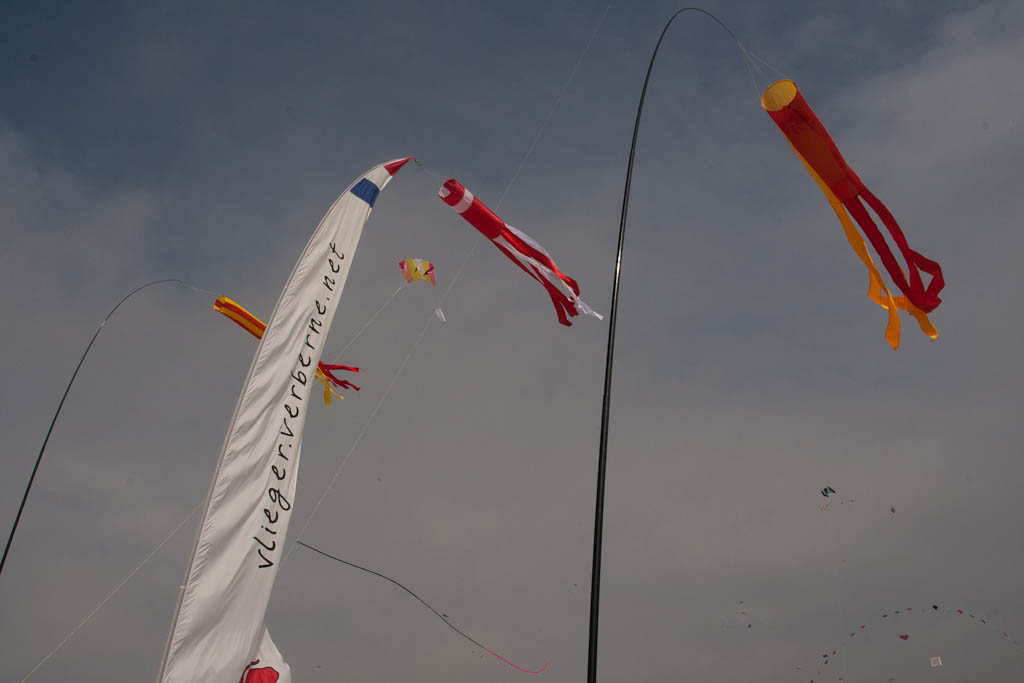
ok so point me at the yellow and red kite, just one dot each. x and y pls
(417, 269)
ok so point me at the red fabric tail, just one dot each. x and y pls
(339, 367)
(914, 290)
(543, 258)
(345, 384)
(929, 299)
(562, 303)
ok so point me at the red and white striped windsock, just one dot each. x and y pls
(526, 252)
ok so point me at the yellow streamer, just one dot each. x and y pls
(876, 286)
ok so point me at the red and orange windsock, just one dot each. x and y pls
(845, 192)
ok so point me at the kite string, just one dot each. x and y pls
(751, 68)
(113, 592)
(751, 61)
(359, 438)
(547, 119)
(440, 616)
(763, 61)
(428, 171)
(367, 323)
(198, 290)
(558, 101)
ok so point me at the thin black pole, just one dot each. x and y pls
(595, 579)
(49, 431)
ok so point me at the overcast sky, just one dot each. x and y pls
(205, 141)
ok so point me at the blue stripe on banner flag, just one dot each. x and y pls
(366, 191)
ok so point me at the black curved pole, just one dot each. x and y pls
(39, 458)
(595, 579)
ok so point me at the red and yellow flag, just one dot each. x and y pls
(256, 327)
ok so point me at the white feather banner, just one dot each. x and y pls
(218, 634)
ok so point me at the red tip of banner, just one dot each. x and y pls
(394, 166)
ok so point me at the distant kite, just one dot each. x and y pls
(890, 617)
(844, 190)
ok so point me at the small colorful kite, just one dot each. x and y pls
(256, 327)
(417, 269)
(844, 190)
(521, 248)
